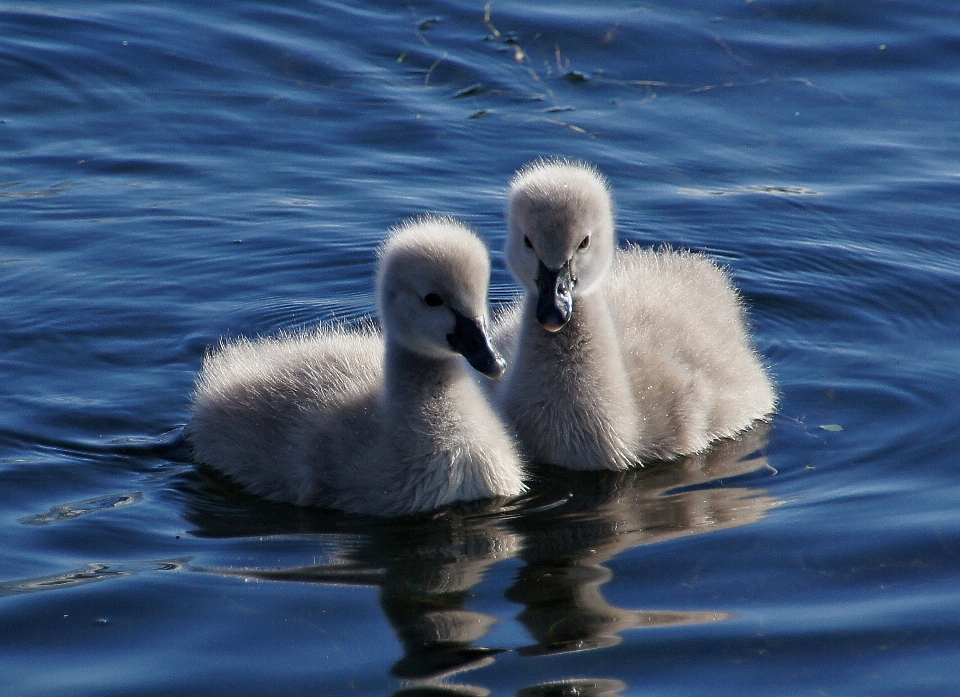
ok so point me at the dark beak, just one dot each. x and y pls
(554, 296)
(469, 339)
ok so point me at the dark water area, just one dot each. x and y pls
(172, 173)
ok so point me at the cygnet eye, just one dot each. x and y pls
(433, 300)
(527, 243)
(584, 243)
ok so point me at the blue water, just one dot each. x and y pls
(178, 172)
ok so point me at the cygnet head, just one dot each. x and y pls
(432, 285)
(561, 240)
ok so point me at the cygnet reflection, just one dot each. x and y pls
(606, 513)
(424, 568)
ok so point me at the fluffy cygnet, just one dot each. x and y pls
(344, 418)
(616, 356)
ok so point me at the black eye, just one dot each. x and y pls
(585, 242)
(432, 299)
(527, 242)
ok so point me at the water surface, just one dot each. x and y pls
(176, 173)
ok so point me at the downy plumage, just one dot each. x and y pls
(616, 356)
(346, 418)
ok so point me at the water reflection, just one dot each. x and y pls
(566, 546)
(424, 568)
(573, 523)
(580, 687)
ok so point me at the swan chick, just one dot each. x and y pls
(350, 418)
(616, 356)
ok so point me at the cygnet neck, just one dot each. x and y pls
(414, 382)
(582, 368)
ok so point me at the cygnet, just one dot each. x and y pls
(345, 418)
(616, 356)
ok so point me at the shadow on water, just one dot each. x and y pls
(573, 523)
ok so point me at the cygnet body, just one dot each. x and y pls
(347, 419)
(616, 356)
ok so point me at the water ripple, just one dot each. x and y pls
(68, 511)
(89, 573)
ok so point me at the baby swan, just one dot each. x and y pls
(345, 419)
(617, 356)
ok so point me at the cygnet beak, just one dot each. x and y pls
(469, 339)
(554, 296)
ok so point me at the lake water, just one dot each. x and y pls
(176, 172)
